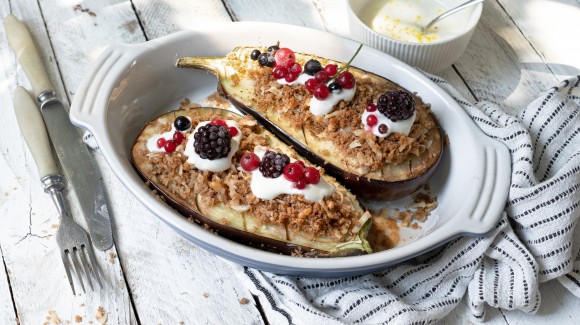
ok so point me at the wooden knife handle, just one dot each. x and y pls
(33, 129)
(22, 44)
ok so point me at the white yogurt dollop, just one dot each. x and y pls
(216, 165)
(152, 142)
(268, 188)
(325, 106)
(402, 126)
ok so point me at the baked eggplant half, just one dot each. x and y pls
(374, 136)
(226, 172)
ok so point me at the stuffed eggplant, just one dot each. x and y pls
(374, 136)
(224, 171)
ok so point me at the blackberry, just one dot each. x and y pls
(312, 67)
(273, 163)
(181, 123)
(254, 55)
(212, 141)
(266, 60)
(396, 105)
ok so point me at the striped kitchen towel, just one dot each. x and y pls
(535, 240)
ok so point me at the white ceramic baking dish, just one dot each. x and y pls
(128, 85)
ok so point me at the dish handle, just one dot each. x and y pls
(485, 200)
(88, 109)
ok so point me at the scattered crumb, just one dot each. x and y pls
(131, 26)
(81, 305)
(216, 100)
(244, 301)
(54, 225)
(112, 257)
(101, 316)
(181, 322)
(80, 8)
(78, 319)
(205, 295)
(52, 318)
(185, 102)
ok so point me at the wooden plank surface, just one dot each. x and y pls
(154, 258)
(158, 277)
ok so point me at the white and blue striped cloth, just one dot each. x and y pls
(536, 239)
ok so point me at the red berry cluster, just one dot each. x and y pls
(171, 145)
(318, 87)
(372, 119)
(295, 172)
(300, 175)
(286, 65)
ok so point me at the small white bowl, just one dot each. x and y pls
(429, 56)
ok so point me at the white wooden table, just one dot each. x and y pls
(520, 48)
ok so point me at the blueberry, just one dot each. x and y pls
(335, 87)
(181, 123)
(273, 48)
(312, 67)
(254, 55)
(266, 60)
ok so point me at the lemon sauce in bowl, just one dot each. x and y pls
(402, 20)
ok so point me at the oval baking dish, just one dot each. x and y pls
(129, 85)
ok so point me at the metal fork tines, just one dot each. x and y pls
(73, 240)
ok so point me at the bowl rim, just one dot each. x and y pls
(467, 31)
(90, 112)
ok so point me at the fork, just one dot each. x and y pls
(72, 239)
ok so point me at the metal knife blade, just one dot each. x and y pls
(77, 162)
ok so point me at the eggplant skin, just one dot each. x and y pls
(239, 226)
(391, 182)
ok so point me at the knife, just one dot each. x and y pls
(77, 163)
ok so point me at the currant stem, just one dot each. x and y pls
(348, 63)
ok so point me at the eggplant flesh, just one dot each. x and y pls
(227, 220)
(392, 181)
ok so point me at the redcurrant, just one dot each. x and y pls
(346, 80)
(321, 91)
(219, 122)
(311, 175)
(250, 161)
(170, 146)
(285, 57)
(383, 128)
(296, 68)
(233, 131)
(291, 77)
(321, 77)
(293, 172)
(161, 142)
(279, 72)
(330, 69)
(310, 84)
(178, 137)
(372, 120)
(301, 184)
